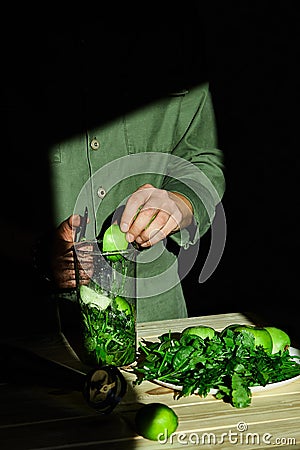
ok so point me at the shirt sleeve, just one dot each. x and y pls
(196, 169)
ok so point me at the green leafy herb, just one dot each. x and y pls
(108, 329)
(229, 362)
(109, 335)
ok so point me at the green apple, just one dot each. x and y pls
(280, 339)
(261, 336)
(121, 304)
(200, 330)
(232, 326)
(114, 240)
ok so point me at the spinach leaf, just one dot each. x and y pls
(229, 362)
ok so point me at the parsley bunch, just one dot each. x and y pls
(109, 335)
(229, 362)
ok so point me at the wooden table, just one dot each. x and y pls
(40, 416)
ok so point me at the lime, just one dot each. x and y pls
(156, 420)
(114, 240)
(89, 295)
(121, 304)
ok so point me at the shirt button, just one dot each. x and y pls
(95, 144)
(101, 192)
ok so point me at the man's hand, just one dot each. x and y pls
(151, 214)
(63, 262)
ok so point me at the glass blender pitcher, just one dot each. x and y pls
(106, 295)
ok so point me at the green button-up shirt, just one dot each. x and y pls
(172, 144)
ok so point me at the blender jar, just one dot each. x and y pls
(106, 295)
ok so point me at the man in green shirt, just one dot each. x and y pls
(162, 157)
(130, 125)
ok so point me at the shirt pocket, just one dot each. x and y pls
(153, 127)
(70, 152)
(55, 154)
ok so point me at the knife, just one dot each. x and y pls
(83, 223)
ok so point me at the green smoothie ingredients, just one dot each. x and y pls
(231, 362)
(108, 327)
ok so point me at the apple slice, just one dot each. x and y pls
(91, 297)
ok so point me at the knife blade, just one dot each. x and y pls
(83, 224)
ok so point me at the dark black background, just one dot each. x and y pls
(252, 51)
(249, 53)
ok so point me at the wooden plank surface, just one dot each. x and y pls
(218, 321)
(53, 416)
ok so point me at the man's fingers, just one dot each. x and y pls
(142, 222)
(74, 220)
(67, 229)
(151, 214)
(134, 206)
(155, 233)
(146, 186)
